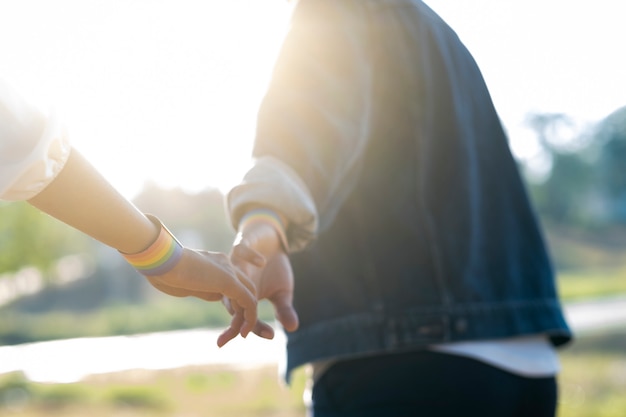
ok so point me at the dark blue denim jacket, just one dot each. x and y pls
(426, 234)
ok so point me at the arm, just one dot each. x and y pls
(313, 125)
(312, 132)
(80, 197)
(315, 117)
(39, 166)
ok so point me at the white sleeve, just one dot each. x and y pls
(33, 147)
(273, 184)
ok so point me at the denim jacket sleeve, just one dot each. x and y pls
(315, 115)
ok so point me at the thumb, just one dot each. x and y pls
(285, 313)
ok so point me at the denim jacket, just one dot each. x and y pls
(424, 233)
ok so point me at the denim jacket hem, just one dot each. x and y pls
(378, 333)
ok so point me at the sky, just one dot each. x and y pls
(167, 90)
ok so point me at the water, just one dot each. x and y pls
(71, 360)
(590, 315)
(65, 361)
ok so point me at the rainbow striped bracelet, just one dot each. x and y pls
(161, 256)
(267, 216)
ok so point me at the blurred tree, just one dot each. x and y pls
(548, 126)
(611, 169)
(198, 219)
(565, 196)
(29, 237)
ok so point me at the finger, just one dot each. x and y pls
(249, 318)
(239, 295)
(284, 311)
(244, 253)
(263, 330)
(225, 278)
(242, 294)
(232, 331)
(226, 336)
(288, 317)
(250, 312)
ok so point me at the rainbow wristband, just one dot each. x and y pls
(160, 257)
(266, 216)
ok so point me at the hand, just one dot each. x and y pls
(274, 280)
(211, 276)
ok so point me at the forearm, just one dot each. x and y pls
(80, 197)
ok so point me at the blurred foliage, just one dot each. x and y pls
(611, 166)
(29, 237)
(57, 396)
(164, 313)
(223, 391)
(138, 397)
(591, 284)
(586, 185)
(198, 220)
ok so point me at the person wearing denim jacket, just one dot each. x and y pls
(401, 227)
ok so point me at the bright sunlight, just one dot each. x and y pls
(151, 90)
(167, 91)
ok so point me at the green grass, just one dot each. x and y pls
(588, 265)
(193, 391)
(592, 283)
(146, 397)
(593, 386)
(593, 377)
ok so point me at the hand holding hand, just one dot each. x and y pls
(179, 271)
(274, 280)
(211, 276)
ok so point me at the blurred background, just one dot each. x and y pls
(161, 97)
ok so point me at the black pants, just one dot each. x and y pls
(429, 384)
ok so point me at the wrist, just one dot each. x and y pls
(161, 256)
(268, 217)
